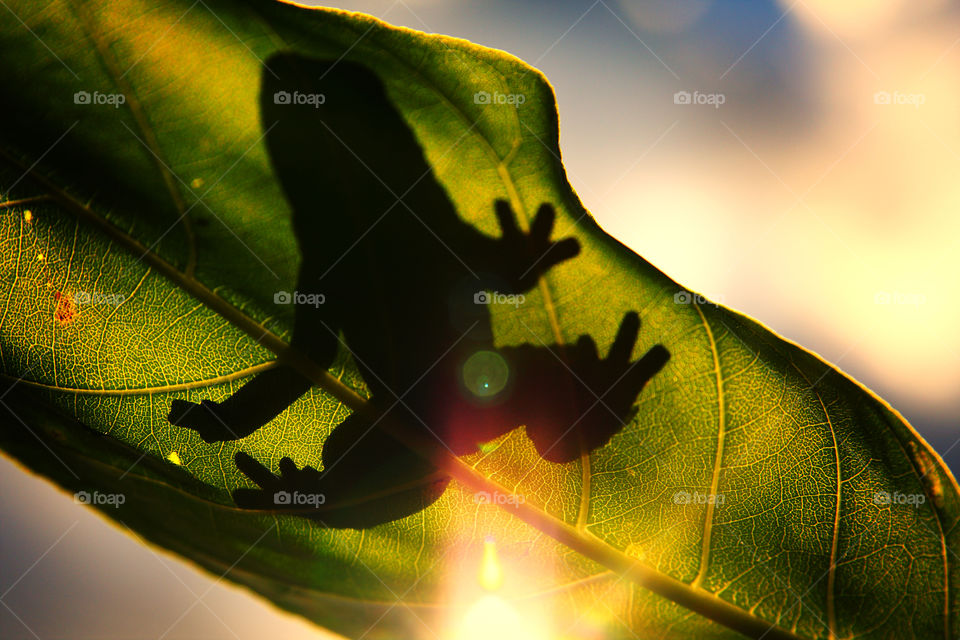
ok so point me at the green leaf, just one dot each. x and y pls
(837, 520)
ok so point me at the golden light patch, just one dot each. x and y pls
(491, 573)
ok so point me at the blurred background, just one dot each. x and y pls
(795, 160)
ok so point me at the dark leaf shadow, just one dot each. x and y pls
(392, 272)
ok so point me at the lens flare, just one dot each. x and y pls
(485, 373)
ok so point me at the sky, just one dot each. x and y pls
(811, 184)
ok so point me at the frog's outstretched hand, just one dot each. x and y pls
(522, 258)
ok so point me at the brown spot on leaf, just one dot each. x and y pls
(930, 475)
(66, 310)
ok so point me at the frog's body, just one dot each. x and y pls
(399, 273)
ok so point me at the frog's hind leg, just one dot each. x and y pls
(372, 478)
(367, 478)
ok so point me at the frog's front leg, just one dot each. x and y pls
(521, 258)
(573, 401)
(255, 404)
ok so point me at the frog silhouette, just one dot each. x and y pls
(392, 274)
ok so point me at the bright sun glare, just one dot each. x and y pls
(492, 616)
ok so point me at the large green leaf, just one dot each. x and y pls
(169, 201)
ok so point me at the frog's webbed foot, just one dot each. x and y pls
(605, 392)
(294, 489)
(527, 256)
